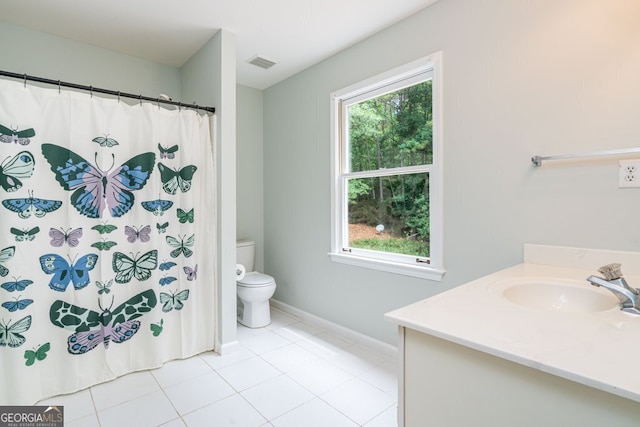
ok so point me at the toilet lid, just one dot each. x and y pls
(256, 279)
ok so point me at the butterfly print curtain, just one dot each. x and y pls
(107, 239)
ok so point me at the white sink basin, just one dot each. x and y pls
(563, 296)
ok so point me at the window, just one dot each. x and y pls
(387, 171)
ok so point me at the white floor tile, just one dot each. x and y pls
(276, 396)
(147, 411)
(289, 374)
(298, 331)
(289, 357)
(324, 345)
(242, 333)
(319, 376)
(248, 373)
(87, 421)
(265, 342)
(314, 413)
(76, 405)
(123, 389)
(174, 423)
(384, 377)
(217, 361)
(196, 393)
(329, 339)
(233, 411)
(388, 418)
(280, 319)
(177, 371)
(358, 400)
(356, 359)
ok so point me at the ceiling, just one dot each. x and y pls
(294, 34)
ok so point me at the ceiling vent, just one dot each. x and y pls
(261, 62)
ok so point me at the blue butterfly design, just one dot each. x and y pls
(167, 265)
(65, 273)
(167, 280)
(158, 206)
(16, 285)
(18, 304)
(27, 206)
(95, 189)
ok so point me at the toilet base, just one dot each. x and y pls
(255, 314)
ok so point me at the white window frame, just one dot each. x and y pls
(407, 75)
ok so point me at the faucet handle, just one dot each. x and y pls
(611, 271)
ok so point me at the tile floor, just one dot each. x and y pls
(289, 374)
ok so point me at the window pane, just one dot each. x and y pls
(390, 214)
(392, 130)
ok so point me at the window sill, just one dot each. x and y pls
(421, 272)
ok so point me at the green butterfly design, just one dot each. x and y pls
(104, 288)
(174, 179)
(156, 328)
(105, 141)
(183, 216)
(21, 137)
(173, 301)
(39, 354)
(127, 267)
(104, 228)
(105, 245)
(11, 335)
(162, 228)
(181, 246)
(92, 328)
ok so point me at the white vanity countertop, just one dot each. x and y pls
(597, 349)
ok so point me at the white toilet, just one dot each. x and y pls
(254, 290)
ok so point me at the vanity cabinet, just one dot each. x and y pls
(443, 384)
(475, 355)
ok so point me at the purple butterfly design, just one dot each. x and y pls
(95, 189)
(191, 272)
(60, 237)
(142, 233)
(92, 328)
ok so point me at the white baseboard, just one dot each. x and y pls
(383, 347)
(230, 347)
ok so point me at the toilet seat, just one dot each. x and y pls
(256, 280)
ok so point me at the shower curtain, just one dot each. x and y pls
(107, 239)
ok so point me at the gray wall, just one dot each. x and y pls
(520, 78)
(249, 172)
(209, 77)
(43, 55)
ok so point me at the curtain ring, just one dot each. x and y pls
(25, 80)
(58, 87)
(118, 97)
(179, 106)
(91, 91)
(158, 100)
(140, 97)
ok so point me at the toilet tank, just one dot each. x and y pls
(245, 253)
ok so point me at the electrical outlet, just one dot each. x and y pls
(629, 173)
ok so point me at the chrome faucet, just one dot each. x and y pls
(614, 282)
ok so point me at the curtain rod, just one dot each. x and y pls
(92, 89)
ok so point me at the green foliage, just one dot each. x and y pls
(357, 188)
(389, 131)
(397, 246)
